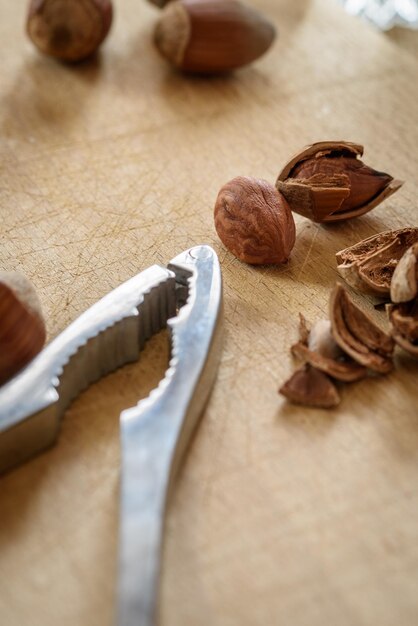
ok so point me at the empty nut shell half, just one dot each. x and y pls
(328, 182)
(22, 328)
(254, 221)
(358, 335)
(70, 30)
(212, 36)
(369, 265)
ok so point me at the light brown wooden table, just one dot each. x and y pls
(282, 515)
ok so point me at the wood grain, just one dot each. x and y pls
(282, 515)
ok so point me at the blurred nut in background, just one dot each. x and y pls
(22, 327)
(212, 36)
(327, 182)
(160, 3)
(254, 221)
(70, 30)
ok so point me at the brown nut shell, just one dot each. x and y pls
(345, 370)
(369, 265)
(358, 335)
(404, 320)
(22, 328)
(212, 36)
(310, 387)
(327, 182)
(70, 30)
(318, 348)
(254, 221)
(405, 344)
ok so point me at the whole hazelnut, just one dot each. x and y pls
(70, 30)
(212, 36)
(254, 221)
(22, 327)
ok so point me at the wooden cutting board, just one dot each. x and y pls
(282, 515)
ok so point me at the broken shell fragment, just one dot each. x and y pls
(304, 329)
(404, 284)
(310, 387)
(345, 370)
(408, 346)
(404, 320)
(321, 351)
(328, 182)
(368, 266)
(358, 335)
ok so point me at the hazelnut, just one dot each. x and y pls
(254, 221)
(404, 284)
(328, 182)
(212, 36)
(70, 30)
(22, 328)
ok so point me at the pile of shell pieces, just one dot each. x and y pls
(349, 345)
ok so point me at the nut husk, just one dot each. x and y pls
(404, 284)
(212, 36)
(22, 328)
(254, 221)
(368, 266)
(358, 335)
(310, 387)
(328, 182)
(70, 30)
(320, 350)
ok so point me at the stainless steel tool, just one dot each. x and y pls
(154, 433)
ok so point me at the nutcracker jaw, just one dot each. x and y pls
(107, 336)
(155, 433)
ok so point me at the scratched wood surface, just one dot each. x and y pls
(281, 515)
